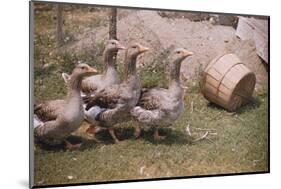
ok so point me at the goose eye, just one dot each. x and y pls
(112, 43)
(83, 67)
(178, 52)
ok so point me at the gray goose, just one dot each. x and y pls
(117, 100)
(55, 120)
(160, 107)
(92, 85)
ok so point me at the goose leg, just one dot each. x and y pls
(92, 132)
(156, 135)
(72, 146)
(137, 130)
(112, 133)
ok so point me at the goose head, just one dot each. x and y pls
(131, 58)
(80, 71)
(136, 49)
(179, 54)
(83, 70)
(113, 45)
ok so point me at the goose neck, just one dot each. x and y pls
(130, 64)
(109, 59)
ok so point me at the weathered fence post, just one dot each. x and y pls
(59, 33)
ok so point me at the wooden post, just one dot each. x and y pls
(113, 23)
(59, 26)
(113, 28)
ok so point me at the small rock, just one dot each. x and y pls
(231, 113)
(46, 65)
(168, 174)
(70, 177)
(66, 39)
(142, 169)
(41, 182)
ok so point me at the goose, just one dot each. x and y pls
(93, 84)
(159, 107)
(55, 120)
(112, 105)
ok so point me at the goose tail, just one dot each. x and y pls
(37, 122)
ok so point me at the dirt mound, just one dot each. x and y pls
(161, 33)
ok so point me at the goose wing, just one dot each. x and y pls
(106, 98)
(149, 109)
(151, 98)
(49, 110)
(91, 84)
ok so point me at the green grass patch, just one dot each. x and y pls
(239, 146)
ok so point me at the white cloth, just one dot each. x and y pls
(92, 113)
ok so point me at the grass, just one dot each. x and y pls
(240, 145)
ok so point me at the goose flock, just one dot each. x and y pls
(103, 100)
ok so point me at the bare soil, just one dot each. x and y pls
(161, 33)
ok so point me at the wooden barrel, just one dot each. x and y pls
(228, 82)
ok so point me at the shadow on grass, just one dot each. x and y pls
(48, 147)
(253, 103)
(172, 137)
(55, 147)
(86, 144)
(215, 106)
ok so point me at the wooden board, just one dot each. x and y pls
(256, 30)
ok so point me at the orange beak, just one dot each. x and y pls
(92, 70)
(143, 49)
(187, 53)
(121, 47)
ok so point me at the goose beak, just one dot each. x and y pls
(92, 70)
(121, 47)
(143, 49)
(187, 53)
